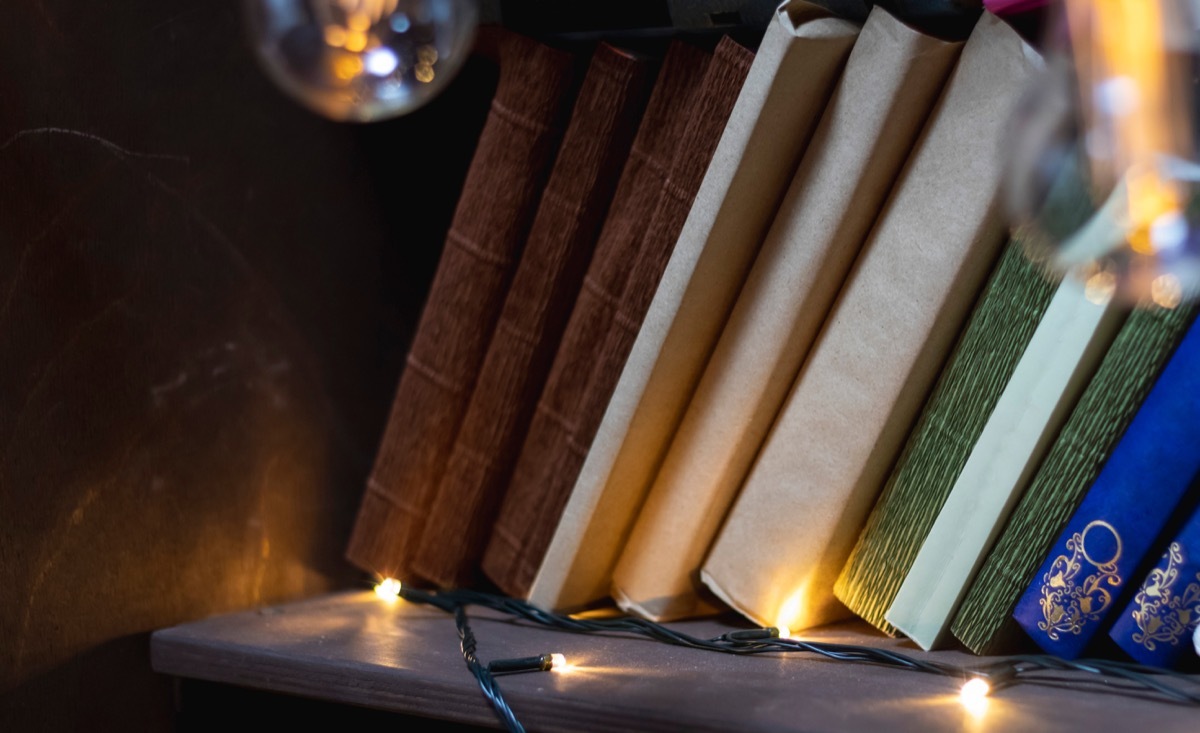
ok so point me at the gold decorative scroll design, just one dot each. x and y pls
(1163, 615)
(1076, 589)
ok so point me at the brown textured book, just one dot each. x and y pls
(500, 195)
(554, 450)
(547, 280)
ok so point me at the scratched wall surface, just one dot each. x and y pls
(205, 296)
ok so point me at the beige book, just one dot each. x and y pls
(783, 97)
(1072, 338)
(890, 83)
(894, 323)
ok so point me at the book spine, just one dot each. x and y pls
(552, 265)
(776, 110)
(1156, 627)
(880, 352)
(1068, 345)
(891, 80)
(709, 115)
(498, 202)
(984, 619)
(519, 540)
(1071, 595)
(988, 350)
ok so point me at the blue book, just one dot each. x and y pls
(1156, 627)
(1125, 510)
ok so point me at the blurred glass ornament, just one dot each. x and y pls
(1102, 173)
(362, 60)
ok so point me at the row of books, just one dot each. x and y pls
(745, 332)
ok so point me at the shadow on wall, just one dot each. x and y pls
(205, 298)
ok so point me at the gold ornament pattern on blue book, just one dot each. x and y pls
(1158, 624)
(1072, 597)
(1080, 584)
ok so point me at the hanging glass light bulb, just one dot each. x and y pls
(1102, 168)
(362, 60)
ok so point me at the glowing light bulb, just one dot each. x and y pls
(1104, 167)
(974, 696)
(783, 632)
(558, 662)
(388, 589)
(362, 60)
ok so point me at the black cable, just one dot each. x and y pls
(487, 682)
(1000, 674)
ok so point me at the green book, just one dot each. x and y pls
(1004, 319)
(984, 621)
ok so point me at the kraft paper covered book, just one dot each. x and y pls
(495, 210)
(1000, 327)
(889, 85)
(1146, 341)
(533, 316)
(1072, 338)
(780, 104)
(881, 349)
(1071, 597)
(535, 497)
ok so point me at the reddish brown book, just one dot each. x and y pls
(494, 213)
(560, 244)
(566, 421)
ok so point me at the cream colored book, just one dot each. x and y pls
(881, 349)
(1072, 338)
(794, 71)
(890, 83)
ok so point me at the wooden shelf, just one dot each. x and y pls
(354, 648)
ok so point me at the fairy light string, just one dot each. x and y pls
(978, 682)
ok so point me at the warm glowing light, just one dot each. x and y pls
(1166, 291)
(558, 663)
(347, 66)
(358, 21)
(356, 41)
(1138, 107)
(1100, 287)
(424, 73)
(974, 696)
(335, 36)
(792, 613)
(388, 589)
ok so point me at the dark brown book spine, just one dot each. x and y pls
(557, 444)
(492, 219)
(560, 244)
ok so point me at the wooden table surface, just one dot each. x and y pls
(357, 649)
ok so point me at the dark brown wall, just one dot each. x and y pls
(205, 297)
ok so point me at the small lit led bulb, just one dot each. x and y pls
(388, 589)
(782, 631)
(974, 696)
(361, 60)
(558, 662)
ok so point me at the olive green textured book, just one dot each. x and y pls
(1142, 347)
(988, 350)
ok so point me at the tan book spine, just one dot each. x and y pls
(547, 280)
(779, 106)
(890, 83)
(856, 397)
(498, 202)
(537, 492)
